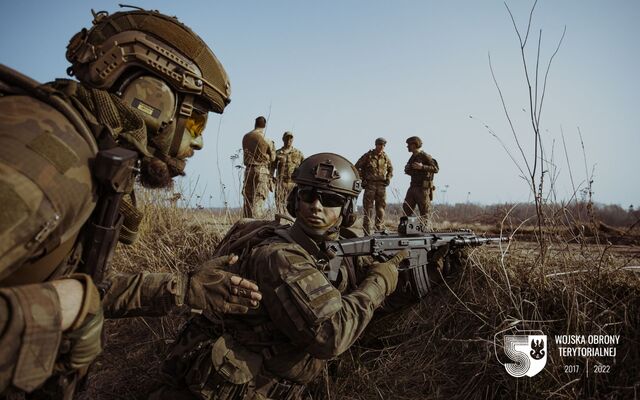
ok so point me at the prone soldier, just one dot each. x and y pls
(376, 171)
(69, 156)
(421, 167)
(287, 160)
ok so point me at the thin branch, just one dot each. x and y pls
(506, 112)
(544, 86)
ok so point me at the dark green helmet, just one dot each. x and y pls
(329, 171)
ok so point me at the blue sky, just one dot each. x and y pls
(341, 73)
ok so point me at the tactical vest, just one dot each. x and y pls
(59, 165)
(287, 162)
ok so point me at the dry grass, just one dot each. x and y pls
(440, 348)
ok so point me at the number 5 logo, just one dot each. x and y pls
(529, 353)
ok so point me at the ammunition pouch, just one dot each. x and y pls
(233, 361)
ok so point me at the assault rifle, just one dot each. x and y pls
(420, 244)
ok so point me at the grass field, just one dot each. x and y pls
(587, 283)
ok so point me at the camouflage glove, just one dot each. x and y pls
(212, 289)
(85, 334)
(389, 271)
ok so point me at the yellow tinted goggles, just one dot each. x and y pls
(195, 123)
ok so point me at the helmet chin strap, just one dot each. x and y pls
(186, 108)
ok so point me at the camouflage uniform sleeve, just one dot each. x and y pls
(430, 164)
(143, 294)
(308, 309)
(362, 161)
(389, 168)
(30, 335)
(272, 151)
(274, 164)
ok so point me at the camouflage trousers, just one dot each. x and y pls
(207, 364)
(256, 188)
(418, 196)
(283, 188)
(375, 198)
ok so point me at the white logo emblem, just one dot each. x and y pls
(528, 353)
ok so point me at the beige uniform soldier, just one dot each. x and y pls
(69, 153)
(259, 153)
(305, 319)
(287, 160)
(376, 171)
(421, 167)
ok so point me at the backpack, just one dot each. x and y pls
(245, 234)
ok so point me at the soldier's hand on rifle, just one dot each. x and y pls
(213, 289)
(389, 270)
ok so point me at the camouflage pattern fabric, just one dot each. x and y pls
(287, 160)
(375, 199)
(258, 153)
(376, 172)
(420, 192)
(48, 194)
(256, 188)
(273, 351)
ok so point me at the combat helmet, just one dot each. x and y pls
(328, 172)
(381, 140)
(286, 135)
(151, 41)
(157, 65)
(416, 140)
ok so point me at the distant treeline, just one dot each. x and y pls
(580, 212)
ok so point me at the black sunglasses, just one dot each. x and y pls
(327, 199)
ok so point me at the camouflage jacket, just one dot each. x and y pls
(286, 161)
(258, 150)
(374, 168)
(48, 194)
(424, 176)
(304, 319)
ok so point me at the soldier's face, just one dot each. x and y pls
(411, 147)
(379, 148)
(192, 137)
(319, 211)
(288, 142)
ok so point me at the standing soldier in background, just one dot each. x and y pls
(376, 172)
(69, 154)
(259, 154)
(287, 160)
(421, 167)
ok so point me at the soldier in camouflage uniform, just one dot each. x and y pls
(259, 152)
(305, 318)
(287, 160)
(376, 171)
(421, 167)
(69, 153)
